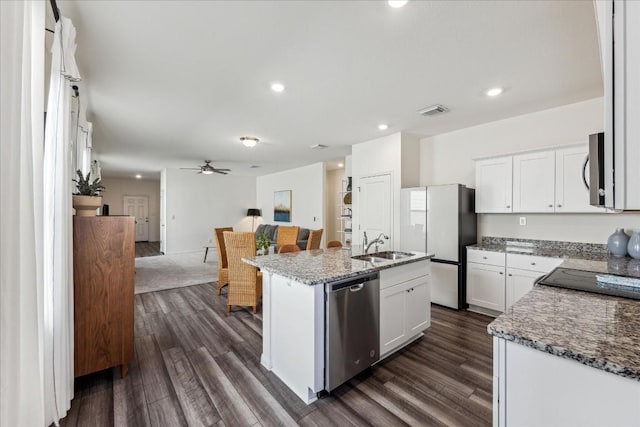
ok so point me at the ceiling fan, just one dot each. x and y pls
(207, 169)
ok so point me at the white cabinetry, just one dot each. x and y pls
(494, 185)
(533, 182)
(618, 20)
(544, 181)
(522, 273)
(534, 388)
(405, 305)
(485, 280)
(572, 194)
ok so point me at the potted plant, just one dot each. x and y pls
(263, 241)
(87, 197)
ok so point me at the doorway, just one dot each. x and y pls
(375, 206)
(138, 207)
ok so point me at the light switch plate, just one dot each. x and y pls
(523, 220)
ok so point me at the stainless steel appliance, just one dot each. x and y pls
(596, 164)
(587, 281)
(451, 226)
(352, 325)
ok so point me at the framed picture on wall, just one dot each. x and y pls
(282, 206)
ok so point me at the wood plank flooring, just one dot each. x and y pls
(196, 365)
(147, 249)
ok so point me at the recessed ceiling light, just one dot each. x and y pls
(383, 126)
(277, 87)
(340, 165)
(138, 176)
(249, 141)
(495, 91)
(318, 146)
(397, 3)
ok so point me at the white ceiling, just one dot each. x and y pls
(171, 83)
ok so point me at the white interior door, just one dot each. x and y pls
(138, 206)
(375, 208)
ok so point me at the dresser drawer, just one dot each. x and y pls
(486, 257)
(533, 263)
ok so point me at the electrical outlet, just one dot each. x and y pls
(523, 220)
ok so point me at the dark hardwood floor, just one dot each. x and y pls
(197, 365)
(147, 249)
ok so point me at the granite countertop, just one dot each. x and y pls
(579, 256)
(325, 265)
(597, 330)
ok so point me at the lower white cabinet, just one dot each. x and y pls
(485, 286)
(405, 311)
(519, 282)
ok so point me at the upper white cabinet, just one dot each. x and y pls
(618, 20)
(494, 185)
(533, 182)
(544, 181)
(572, 193)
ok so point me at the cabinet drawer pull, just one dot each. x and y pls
(533, 263)
(510, 275)
(559, 206)
(508, 206)
(550, 206)
(484, 257)
(501, 272)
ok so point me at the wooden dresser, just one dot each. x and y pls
(103, 277)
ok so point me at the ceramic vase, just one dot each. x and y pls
(634, 245)
(617, 243)
(348, 183)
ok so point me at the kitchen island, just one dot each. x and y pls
(570, 358)
(294, 322)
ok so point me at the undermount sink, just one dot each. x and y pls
(383, 256)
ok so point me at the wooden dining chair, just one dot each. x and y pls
(314, 239)
(245, 281)
(223, 267)
(287, 235)
(288, 248)
(334, 244)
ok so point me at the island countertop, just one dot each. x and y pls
(597, 330)
(319, 266)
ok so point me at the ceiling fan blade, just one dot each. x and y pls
(195, 169)
(223, 170)
(220, 172)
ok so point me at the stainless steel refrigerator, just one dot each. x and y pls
(449, 225)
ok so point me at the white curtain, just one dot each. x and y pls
(58, 248)
(21, 292)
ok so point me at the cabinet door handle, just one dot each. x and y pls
(533, 263)
(484, 257)
(508, 206)
(509, 274)
(550, 206)
(559, 206)
(501, 272)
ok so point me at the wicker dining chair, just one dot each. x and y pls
(288, 248)
(245, 281)
(287, 235)
(314, 239)
(223, 267)
(334, 244)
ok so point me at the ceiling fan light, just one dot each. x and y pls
(249, 141)
(207, 171)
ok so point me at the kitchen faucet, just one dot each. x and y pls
(377, 241)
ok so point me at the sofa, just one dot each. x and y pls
(272, 232)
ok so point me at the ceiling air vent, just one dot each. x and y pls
(433, 110)
(318, 146)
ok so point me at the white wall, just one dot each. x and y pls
(117, 188)
(197, 203)
(334, 195)
(307, 198)
(396, 155)
(448, 158)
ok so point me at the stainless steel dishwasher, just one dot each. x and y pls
(352, 332)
